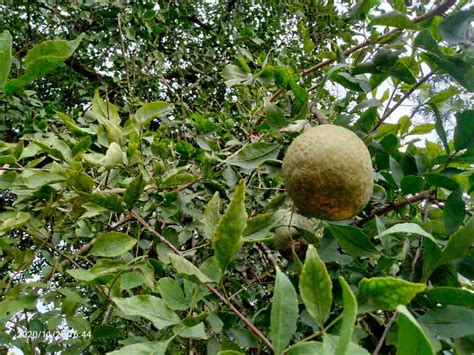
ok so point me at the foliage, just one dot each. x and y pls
(140, 177)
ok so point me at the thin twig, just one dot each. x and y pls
(416, 258)
(124, 53)
(154, 232)
(219, 295)
(419, 249)
(84, 248)
(384, 335)
(7, 168)
(242, 316)
(121, 190)
(394, 91)
(268, 253)
(389, 111)
(438, 10)
(392, 207)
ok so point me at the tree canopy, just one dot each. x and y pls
(142, 204)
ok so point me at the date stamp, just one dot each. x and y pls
(53, 335)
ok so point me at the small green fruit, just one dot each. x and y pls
(284, 236)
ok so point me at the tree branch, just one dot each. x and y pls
(393, 206)
(215, 291)
(438, 10)
(90, 74)
(389, 111)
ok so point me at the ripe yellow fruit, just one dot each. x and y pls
(327, 171)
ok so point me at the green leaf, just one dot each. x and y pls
(172, 294)
(412, 184)
(153, 109)
(78, 323)
(386, 129)
(149, 307)
(210, 267)
(441, 181)
(460, 242)
(456, 66)
(442, 96)
(259, 226)
(440, 127)
(11, 305)
(113, 156)
(367, 67)
(112, 244)
(79, 181)
(421, 129)
(146, 348)
(411, 228)
(282, 76)
(449, 321)
(34, 179)
(386, 58)
(132, 279)
(432, 258)
(103, 267)
(229, 352)
(133, 191)
(70, 124)
(7, 159)
(330, 343)
(113, 131)
(13, 220)
(350, 82)
(308, 44)
(412, 340)
(348, 320)
(464, 345)
(195, 332)
(394, 19)
(386, 293)
(228, 234)
(42, 59)
(81, 146)
(300, 93)
(396, 170)
(211, 215)
(203, 125)
(464, 131)
(315, 286)
(107, 200)
(452, 296)
(352, 240)
(54, 147)
(362, 8)
(425, 40)
(275, 116)
(306, 348)
(455, 29)
(402, 70)
(254, 154)
(187, 269)
(179, 178)
(5, 57)
(454, 211)
(284, 313)
(234, 75)
(104, 111)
